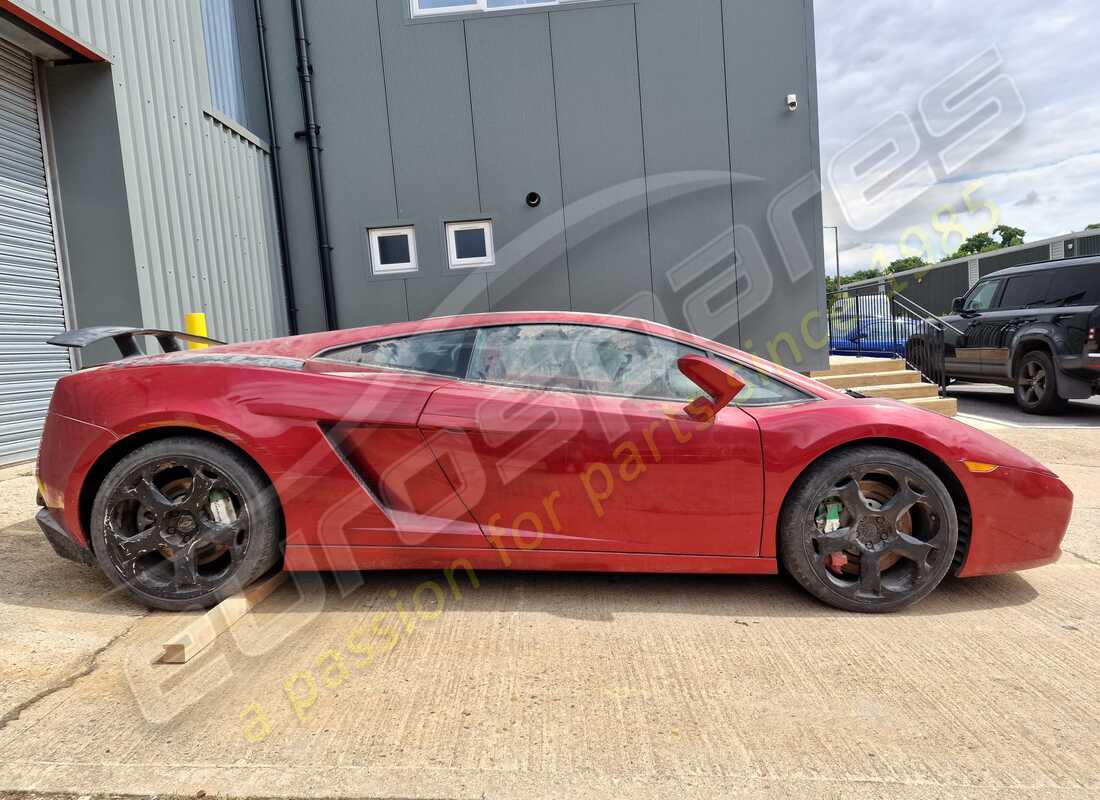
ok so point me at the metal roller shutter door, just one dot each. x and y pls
(31, 307)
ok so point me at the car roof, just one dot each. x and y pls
(1045, 265)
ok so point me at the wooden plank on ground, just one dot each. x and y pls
(199, 633)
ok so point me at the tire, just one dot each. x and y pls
(183, 523)
(1036, 385)
(880, 555)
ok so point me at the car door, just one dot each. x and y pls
(1020, 304)
(965, 334)
(388, 456)
(582, 444)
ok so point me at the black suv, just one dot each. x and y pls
(1033, 328)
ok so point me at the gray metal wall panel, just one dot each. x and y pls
(437, 297)
(683, 87)
(641, 92)
(512, 94)
(87, 155)
(774, 151)
(1015, 258)
(431, 130)
(31, 308)
(1088, 246)
(287, 100)
(936, 288)
(198, 194)
(358, 167)
(603, 166)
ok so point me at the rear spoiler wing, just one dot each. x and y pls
(170, 341)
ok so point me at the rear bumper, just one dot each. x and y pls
(63, 544)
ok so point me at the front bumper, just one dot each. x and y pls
(1019, 520)
(62, 543)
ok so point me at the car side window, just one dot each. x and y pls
(583, 359)
(761, 389)
(1026, 291)
(445, 353)
(981, 299)
(1074, 286)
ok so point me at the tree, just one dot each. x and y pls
(978, 243)
(905, 264)
(862, 275)
(858, 275)
(985, 243)
(1010, 237)
(1093, 227)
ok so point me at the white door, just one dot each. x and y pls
(31, 305)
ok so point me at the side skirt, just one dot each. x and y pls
(329, 558)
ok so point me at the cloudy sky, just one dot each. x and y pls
(877, 58)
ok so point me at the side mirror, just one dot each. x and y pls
(956, 305)
(719, 385)
(855, 337)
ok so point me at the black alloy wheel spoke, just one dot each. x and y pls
(900, 503)
(201, 486)
(852, 497)
(185, 567)
(915, 550)
(145, 491)
(146, 541)
(870, 573)
(834, 542)
(224, 534)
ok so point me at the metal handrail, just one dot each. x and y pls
(928, 315)
(908, 322)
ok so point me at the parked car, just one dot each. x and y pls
(522, 441)
(878, 337)
(1033, 328)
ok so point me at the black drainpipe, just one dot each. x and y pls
(277, 178)
(312, 135)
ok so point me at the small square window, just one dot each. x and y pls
(470, 244)
(393, 250)
(424, 7)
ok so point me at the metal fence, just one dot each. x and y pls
(867, 322)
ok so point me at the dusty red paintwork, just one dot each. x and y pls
(430, 470)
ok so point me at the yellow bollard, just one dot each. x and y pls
(195, 324)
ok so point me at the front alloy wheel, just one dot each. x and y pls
(869, 529)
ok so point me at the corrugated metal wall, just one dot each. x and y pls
(199, 195)
(31, 310)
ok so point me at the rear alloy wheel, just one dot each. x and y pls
(1037, 385)
(869, 529)
(184, 523)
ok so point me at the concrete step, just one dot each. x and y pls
(871, 379)
(948, 406)
(860, 366)
(900, 391)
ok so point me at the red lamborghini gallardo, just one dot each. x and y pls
(522, 441)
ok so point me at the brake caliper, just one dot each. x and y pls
(221, 508)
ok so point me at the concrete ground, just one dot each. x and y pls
(997, 403)
(561, 685)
